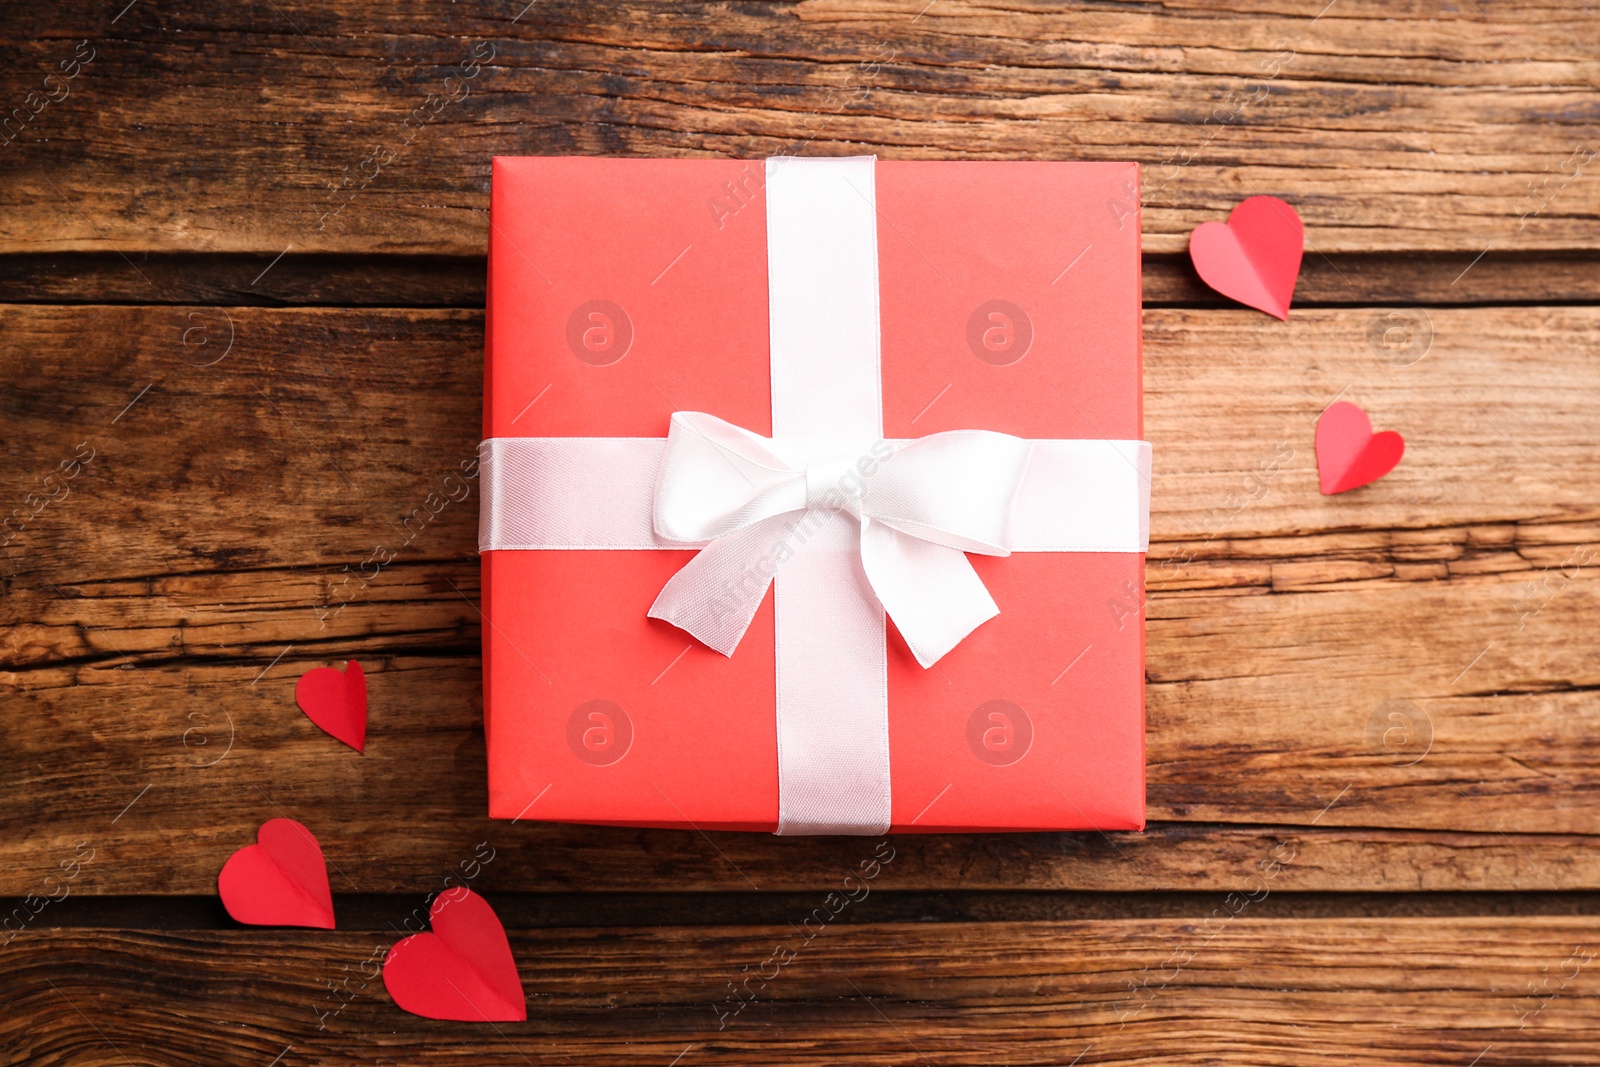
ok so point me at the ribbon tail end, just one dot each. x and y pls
(722, 642)
(929, 653)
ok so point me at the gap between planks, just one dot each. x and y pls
(1431, 279)
(555, 910)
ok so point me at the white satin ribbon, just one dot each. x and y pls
(845, 524)
(917, 511)
(599, 493)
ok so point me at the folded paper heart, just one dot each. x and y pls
(336, 701)
(1349, 454)
(281, 880)
(1254, 257)
(462, 971)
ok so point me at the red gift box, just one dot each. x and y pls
(622, 291)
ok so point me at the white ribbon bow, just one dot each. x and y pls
(920, 506)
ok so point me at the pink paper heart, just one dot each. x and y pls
(1349, 454)
(336, 701)
(463, 970)
(1254, 257)
(282, 880)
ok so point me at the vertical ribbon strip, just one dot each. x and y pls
(832, 664)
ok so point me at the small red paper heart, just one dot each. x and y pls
(462, 971)
(1254, 257)
(336, 701)
(1349, 454)
(280, 881)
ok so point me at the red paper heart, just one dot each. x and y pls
(281, 881)
(1349, 454)
(462, 971)
(336, 701)
(1254, 257)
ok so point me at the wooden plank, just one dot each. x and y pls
(176, 835)
(350, 129)
(333, 397)
(1262, 708)
(1408, 661)
(1222, 986)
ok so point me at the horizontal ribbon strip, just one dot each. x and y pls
(599, 493)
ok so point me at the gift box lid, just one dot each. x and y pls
(621, 291)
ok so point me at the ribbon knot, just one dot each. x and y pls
(833, 485)
(919, 506)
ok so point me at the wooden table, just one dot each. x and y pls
(241, 290)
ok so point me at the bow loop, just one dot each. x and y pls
(954, 489)
(717, 478)
(919, 508)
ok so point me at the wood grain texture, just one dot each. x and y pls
(356, 128)
(1409, 662)
(1376, 824)
(1221, 986)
